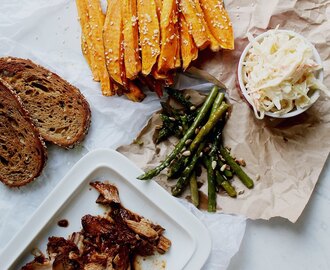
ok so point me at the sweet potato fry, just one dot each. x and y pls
(189, 51)
(196, 23)
(149, 34)
(158, 75)
(159, 4)
(86, 53)
(178, 49)
(86, 37)
(92, 20)
(134, 93)
(131, 39)
(153, 84)
(218, 22)
(214, 44)
(112, 40)
(169, 40)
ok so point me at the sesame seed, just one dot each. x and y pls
(223, 167)
(186, 153)
(214, 164)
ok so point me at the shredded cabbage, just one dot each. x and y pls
(279, 74)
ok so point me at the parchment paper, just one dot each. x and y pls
(287, 154)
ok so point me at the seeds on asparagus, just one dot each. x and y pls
(214, 164)
(200, 139)
(241, 162)
(186, 153)
(188, 141)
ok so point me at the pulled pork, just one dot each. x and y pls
(109, 242)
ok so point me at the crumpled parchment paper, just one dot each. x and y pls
(287, 154)
(48, 33)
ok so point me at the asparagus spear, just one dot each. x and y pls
(176, 166)
(227, 173)
(246, 180)
(194, 189)
(191, 131)
(183, 180)
(168, 129)
(221, 181)
(179, 97)
(209, 125)
(217, 102)
(212, 202)
(182, 162)
(163, 134)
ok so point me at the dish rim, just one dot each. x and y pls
(40, 219)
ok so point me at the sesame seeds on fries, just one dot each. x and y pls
(112, 40)
(92, 20)
(149, 34)
(148, 40)
(219, 22)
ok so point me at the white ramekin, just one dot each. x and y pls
(319, 74)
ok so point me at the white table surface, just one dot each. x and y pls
(279, 244)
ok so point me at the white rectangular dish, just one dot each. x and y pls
(73, 198)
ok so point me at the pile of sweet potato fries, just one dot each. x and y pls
(144, 42)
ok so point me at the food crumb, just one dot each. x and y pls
(63, 223)
(138, 142)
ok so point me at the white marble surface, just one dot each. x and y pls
(279, 244)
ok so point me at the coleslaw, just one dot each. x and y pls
(279, 73)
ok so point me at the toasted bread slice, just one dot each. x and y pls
(22, 151)
(58, 110)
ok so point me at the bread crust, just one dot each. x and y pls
(14, 105)
(65, 126)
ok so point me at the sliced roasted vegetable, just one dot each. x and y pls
(149, 34)
(196, 22)
(112, 39)
(86, 53)
(92, 21)
(133, 92)
(189, 51)
(218, 22)
(131, 39)
(169, 39)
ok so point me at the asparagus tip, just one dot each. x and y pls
(143, 177)
(176, 191)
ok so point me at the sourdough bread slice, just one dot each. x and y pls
(22, 152)
(58, 109)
